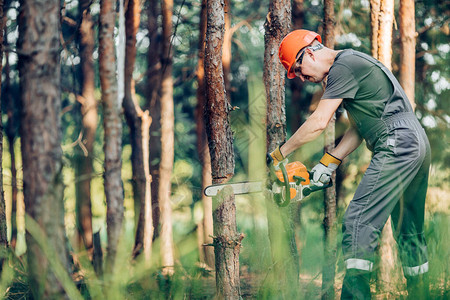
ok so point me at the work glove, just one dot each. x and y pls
(275, 157)
(321, 173)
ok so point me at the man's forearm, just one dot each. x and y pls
(308, 132)
(349, 142)
(313, 126)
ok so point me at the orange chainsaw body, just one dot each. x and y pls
(296, 169)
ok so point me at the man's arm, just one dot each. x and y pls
(321, 172)
(313, 126)
(349, 142)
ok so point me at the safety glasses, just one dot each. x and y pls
(298, 63)
(299, 60)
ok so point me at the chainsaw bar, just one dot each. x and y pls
(238, 188)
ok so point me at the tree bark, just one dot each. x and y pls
(277, 25)
(113, 131)
(384, 33)
(299, 103)
(227, 245)
(220, 141)
(374, 26)
(389, 273)
(14, 190)
(84, 157)
(167, 141)
(285, 258)
(206, 253)
(153, 104)
(408, 48)
(330, 217)
(139, 123)
(217, 107)
(11, 133)
(226, 48)
(39, 69)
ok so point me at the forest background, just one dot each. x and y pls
(191, 273)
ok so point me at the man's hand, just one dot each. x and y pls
(321, 173)
(275, 157)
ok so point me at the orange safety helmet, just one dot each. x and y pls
(292, 44)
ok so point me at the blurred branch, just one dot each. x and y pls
(437, 114)
(422, 53)
(435, 23)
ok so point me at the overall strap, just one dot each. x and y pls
(396, 85)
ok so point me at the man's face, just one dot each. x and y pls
(306, 66)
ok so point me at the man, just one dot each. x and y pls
(396, 180)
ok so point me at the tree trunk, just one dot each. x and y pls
(330, 218)
(217, 107)
(14, 192)
(3, 228)
(389, 271)
(299, 103)
(153, 104)
(11, 133)
(139, 123)
(277, 25)
(84, 157)
(382, 17)
(220, 140)
(43, 188)
(408, 46)
(374, 26)
(206, 252)
(280, 220)
(227, 245)
(113, 131)
(299, 107)
(226, 48)
(167, 141)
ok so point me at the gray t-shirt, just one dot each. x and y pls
(364, 87)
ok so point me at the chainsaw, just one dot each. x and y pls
(291, 184)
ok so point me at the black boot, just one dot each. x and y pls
(356, 285)
(418, 287)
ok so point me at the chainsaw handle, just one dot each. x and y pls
(307, 191)
(287, 199)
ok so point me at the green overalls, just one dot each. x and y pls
(394, 184)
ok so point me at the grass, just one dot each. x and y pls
(192, 281)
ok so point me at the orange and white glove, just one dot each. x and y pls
(321, 173)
